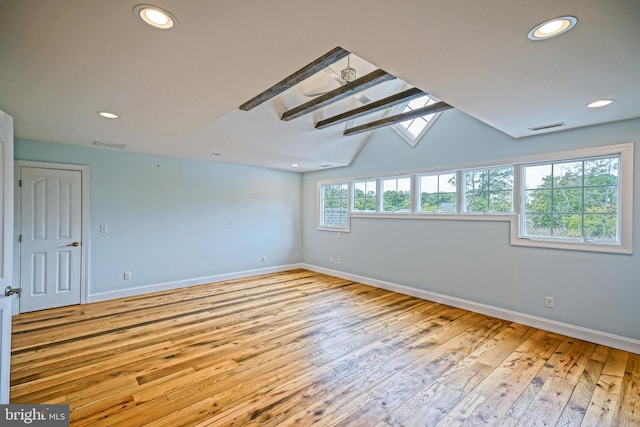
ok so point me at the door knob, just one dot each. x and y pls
(8, 291)
(74, 244)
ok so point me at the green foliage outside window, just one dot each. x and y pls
(364, 196)
(573, 199)
(489, 190)
(396, 195)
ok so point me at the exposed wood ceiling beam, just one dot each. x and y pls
(390, 101)
(387, 121)
(371, 79)
(305, 72)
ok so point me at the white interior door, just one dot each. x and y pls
(50, 237)
(6, 250)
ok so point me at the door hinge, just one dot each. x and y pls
(19, 183)
(19, 238)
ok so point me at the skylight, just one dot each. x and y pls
(414, 129)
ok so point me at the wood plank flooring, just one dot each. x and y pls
(300, 348)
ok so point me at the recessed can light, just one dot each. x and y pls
(294, 165)
(552, 27)
(600, 103)
(108, 115)
(155, 16)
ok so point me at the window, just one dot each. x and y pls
(577, 200)
(396, 195)
(572, 200)
(412, 130)
(364, 196)
(335, 205)
(437, 193)
(489, 190)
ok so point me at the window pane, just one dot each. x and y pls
(364, 196)
(396, 195)
(489, 190)
(538, 176)
(438, 193)
(538, 224)
(447, 182)
(599, 172)
(567, 174)
(567, 200)
(416, 127)
(568, 226)
(601, 199)
(477, 201)
(335, 205)
(501, 201)
(538, 201)
(581, 196)
(601, 226)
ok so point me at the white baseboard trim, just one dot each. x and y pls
(586, 334)
(139, 290)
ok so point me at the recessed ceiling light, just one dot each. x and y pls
(294, 165)
(216, 154)
(108, 115)
(155, 16)
(600, 103)
(553, 27)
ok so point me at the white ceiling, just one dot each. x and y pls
(178, 91)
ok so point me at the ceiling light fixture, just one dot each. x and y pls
(600, 103)
(155, 16)
(108, 115)
(294, 165)
(348, 74)
(552, 27)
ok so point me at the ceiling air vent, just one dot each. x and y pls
(112, 145)
(546, 127)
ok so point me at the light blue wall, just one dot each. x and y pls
(175, 219)
(473, 260)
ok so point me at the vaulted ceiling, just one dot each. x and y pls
(178, 91)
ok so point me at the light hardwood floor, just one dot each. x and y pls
(301, 348)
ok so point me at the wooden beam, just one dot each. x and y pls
(305, 72)
(390, 101)
(358, 85)
(430, 109)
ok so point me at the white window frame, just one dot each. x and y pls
(625, 202)
(321, 222)
(404, 134)
(353, 196)
(515, 218)
(463, 190)
(380, 194)
(418, 193)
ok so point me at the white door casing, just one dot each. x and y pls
(50, 236)
(6, 249)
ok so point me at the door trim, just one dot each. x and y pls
(85, 223)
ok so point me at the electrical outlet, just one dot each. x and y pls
(127, 275)
(549, 302)
(330, 260)
(339, 261)
(263, 258)
(104, 228)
